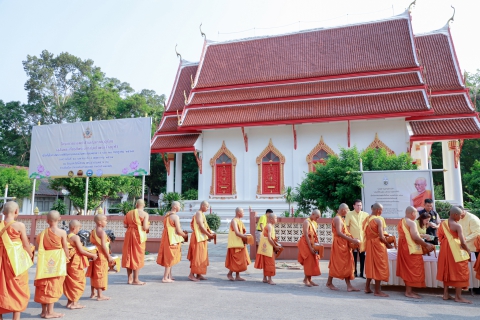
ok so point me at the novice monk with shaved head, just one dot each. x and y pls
(49, 290)
(341, 263)
(409, 258)
(453, 268)
(133, 253)
(266, 250)
(307, 256)
(198, 249)
(98, 269)
(14, 289)
(75, 281)
(237, 259)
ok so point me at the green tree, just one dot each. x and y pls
(473, 85)
(471, 180)
(19, 185)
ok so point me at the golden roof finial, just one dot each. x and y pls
(453, 16)
(191, 80)
(201, 32)
(178, 54)
(414, 3)
(185, 96)
(178, 119)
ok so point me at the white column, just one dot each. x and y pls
(447, 175)
(170, 176)
(423, 156)
(453, 177)
(178, 173)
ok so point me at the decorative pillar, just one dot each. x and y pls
(170, 162)
(452, 177)
(447, 175)
(423, 156)
(178, 173)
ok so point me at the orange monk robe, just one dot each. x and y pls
(197, 253)
(49, 290)
(238, 259)
(75, 280)
(98, 269)
(168, 255)
(376, 257)
(410, 267)
(14, 291)
(309, 261)
(133, 252)
(341, 263)
(451, 273)
(476, 267)
(264, 262)
(419, 200)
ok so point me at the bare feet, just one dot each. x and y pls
(54, 315)
(76, 306)
(308, 284)
(412, 295)
(138, 283)
(239, 279)
(449, 297)
(271, 282)
(167, 281)
(331, 287)
(103, 298)
(368, 290)
(352, 289)
(191, 277)
(130, 279)
(229, 277)
(42, 315)
(380, 294)
(93, 296)
(462, 300)
(200, 277)
(313, 284)
(69, 304)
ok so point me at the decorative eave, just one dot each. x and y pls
(445, 129)
(168, 143)
(379, 144)
(181, 84)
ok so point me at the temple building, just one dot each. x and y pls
(258, 113)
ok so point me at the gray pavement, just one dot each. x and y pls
(218, 298)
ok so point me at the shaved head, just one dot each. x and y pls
(377, 206)
(99, 217)
(10, 207)
(176, 204)
(74, 223)
(343, 206)
(238, 209)
(455, 210)
(409, 210)
(317, 212)
(271, 215)
(204, 203)
(140, 203)
(53, 216)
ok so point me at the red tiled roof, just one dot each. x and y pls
(436, 54)
(373, 82)
(182, 83)
(451, 104)
(382, 45)
(454, 127)
(312, 110)
(168, 124)
(168, 143)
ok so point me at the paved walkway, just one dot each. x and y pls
(218, 298)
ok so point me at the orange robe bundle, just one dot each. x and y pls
(75, 280)
(451, 273)
(309, 261)
(419, 200)
(376, 257)
(410, 266)
(237, 259)
(198, 251)
(14, 291)
(168, 255)
(49, 290)
(341, 263)
(98, 269)
(262, 261)
(133, 252)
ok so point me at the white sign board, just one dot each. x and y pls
(396, 190)
(91, 149)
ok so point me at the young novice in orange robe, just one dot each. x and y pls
(14, 288)
(307, 256)
(74, 284)
(198, 249)
(98, 269)
(170, 251)
(237, 259)
(267, 248)
(453, 268)
(410, 265)
(49, 290)
(341, 265)
(133, 258)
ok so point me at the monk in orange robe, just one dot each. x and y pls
(453, 268)
(169, 254)
(74, 284)
(49, 290)
(133, 253)
(267, 249)
(341, 263)
(14, 289)
(198, 249)
(417, 198)
(237, 259)
(476, 267)
(307, 256)
(98, 269)
(376, 257)
(410, 265)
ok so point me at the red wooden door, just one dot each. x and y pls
(271, 177)
(224, 178)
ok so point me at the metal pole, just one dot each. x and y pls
(6, 192)
(430, 168)
(143, 188)
(86, 196)
(33, 195)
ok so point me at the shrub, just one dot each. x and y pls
(191, 194)
(60, 206)
(169, 197)
(443, 209)
(213, 221)
(123, 207)
(160, 211)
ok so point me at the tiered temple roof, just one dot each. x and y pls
(370, 70)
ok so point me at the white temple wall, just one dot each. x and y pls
(392, 132)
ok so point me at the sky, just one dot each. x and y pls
(134, 40)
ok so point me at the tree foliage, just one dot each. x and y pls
(339, 180)
(473, 84)
(19, 185)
